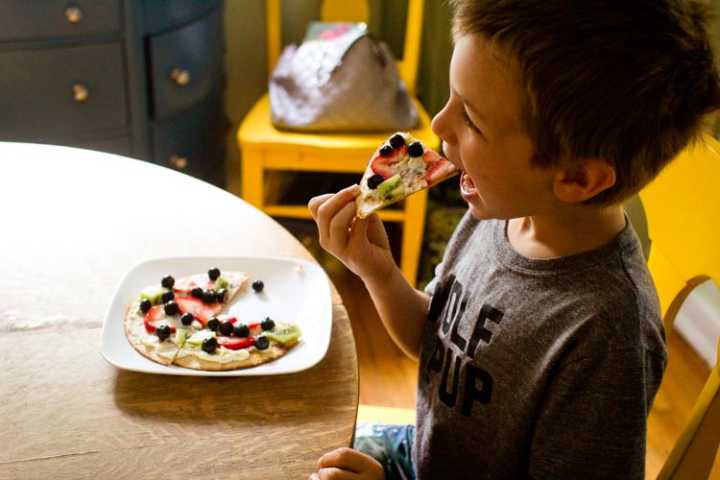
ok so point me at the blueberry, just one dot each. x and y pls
(397, 141)
(258, 285)
(213, 324)
(416, 149)
(162, 332)
(209, 296)
(197, 292)
(226, 328)
(167, 282)
(214, 273)
(386, 150)
(187, 319)
(262, 342)
(374, 181)
(267, 324)
(145, 306)
(241, 330)
(220, 295)
(171, 308)
(210, 344)
(167, 296)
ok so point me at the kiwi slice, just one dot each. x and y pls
(389, 185)
(154, 294)
(180, 337)
(197, 338)
(284, 334)
(221, 282)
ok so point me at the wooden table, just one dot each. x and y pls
(73, 222)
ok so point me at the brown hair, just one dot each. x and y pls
(624, 80)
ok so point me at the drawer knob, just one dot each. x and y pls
(178, 162)
(80, 93)
(73, 14)
(180, 76)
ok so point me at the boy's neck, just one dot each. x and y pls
(573, 232)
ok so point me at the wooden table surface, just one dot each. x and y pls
(73, 223)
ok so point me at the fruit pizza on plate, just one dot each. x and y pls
(400, 167)
(183, 322)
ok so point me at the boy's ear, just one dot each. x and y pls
(583, 180)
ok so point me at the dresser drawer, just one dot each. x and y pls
(188, 141)
(63, 90)
(38, 19)
(160, 15)
(186, 63)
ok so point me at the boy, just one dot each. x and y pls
(540, 340)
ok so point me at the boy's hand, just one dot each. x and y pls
(348, 464)
(362, 245)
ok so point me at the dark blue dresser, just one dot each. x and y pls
(142, 78)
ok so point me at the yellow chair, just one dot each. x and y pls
(683, 209)
(265, 148)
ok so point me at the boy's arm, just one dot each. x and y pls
(402, 309)
(362, 245)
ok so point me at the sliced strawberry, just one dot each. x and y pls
(234, 343)
(385, 166)
(255, 328)
(151, 320)
(431, 156)
(202, 311)
(439, 170)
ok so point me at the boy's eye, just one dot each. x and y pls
(468, 122)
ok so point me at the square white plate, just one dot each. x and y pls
(296, 291)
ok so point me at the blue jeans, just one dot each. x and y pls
(391, 445)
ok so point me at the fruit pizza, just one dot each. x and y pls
(400, 167)
(183, 322)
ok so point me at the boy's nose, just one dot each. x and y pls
(442, 126)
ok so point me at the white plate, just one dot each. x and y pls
(296, 291)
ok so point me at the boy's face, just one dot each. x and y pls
(483, 135)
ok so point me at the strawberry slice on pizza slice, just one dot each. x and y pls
(222, 286)
(154, 331)
(399, 168)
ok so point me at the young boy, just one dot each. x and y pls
(540, 341)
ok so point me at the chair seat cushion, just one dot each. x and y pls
(256, 131)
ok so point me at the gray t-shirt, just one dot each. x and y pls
(537, 368)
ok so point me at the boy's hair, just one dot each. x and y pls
(624, 80)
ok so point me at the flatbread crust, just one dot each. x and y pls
(257, 357)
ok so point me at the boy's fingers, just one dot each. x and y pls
(329, 208)
(340, 225)
(336, 474)
(375, 231)
(315, 203)
(358, 230)
(346, 459)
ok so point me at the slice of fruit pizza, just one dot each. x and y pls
(153, 323)
(181, 322)
(400, 167)
(227, 343)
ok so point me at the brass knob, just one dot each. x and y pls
(80, 93)
(180, 76)
(73, 14)
(178, 162)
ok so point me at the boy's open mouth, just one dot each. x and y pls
(467, 187)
